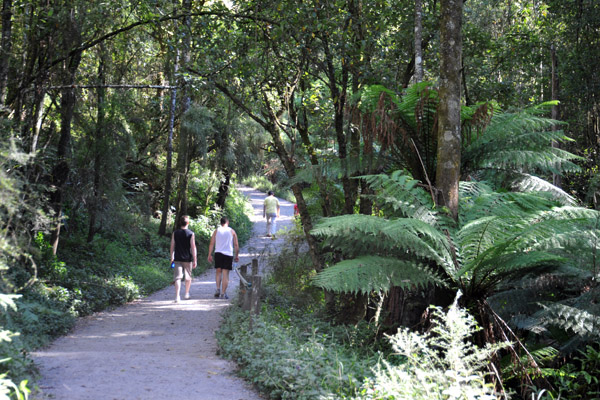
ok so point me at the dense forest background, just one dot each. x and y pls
(432, 147)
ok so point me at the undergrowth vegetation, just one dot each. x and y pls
(292, 354)
(119, 265)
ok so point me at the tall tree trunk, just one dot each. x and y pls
(449, 135)
(418, 40)
(40, 94)
(184, 148)
(162, 229)
(556, 179)
(301, 125)
(5, 46)
(338, 98)
(60, 172)
(98, 146)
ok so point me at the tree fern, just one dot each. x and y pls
(366, 274)
(520, 142)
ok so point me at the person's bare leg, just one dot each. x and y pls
(225, 280)
(188, 284)
(218, 279)
(177, 288)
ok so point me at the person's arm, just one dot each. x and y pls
(264, 209)
(278, 209)
(172, 250)
(211, 246)
(194, 252)
(236, 247)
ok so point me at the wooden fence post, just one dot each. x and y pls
(254, 266)
(242, 288)
(255, 296)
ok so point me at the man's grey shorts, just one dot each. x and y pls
(182, 269)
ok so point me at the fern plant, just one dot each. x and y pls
(509, 147)
(500, 237)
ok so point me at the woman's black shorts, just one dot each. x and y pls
(223, 261)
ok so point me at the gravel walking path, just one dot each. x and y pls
(153, 348)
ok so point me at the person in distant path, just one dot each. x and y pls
(224, 242)
(183, 254)
(271, 212)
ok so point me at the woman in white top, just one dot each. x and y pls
(225, 244)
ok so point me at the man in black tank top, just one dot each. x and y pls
(183, 254)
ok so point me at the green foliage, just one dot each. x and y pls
(237, 210)
(499, 236)
(290, 354)
(290, 272)
(519, 142)
(13, 364)
(501, 146)
(443, 364)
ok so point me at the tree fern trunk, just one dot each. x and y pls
(556, 179)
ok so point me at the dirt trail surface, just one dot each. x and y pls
(153, 348)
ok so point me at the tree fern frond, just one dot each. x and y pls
(489, 269)
(399, 192)
(528, 323)
(371, 273)
(531, 183)
(473, 189)
(354, 234)
(573, 319)
(520, 141)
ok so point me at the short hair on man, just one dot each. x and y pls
(270, 193)
(184, 220)
(224, 220)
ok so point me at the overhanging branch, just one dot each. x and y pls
(109, 87)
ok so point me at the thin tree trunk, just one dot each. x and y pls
(338, 98)
(418, 40)
(6, 45)
(301, 124)
(98, 141)
(162, 229)
(449, 135)
(40, 94)
(61, 170)
(556, 179)
(184, 150)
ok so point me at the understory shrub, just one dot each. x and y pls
(237, 210)
(290, 354)
(13, 363)
(442, 365)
